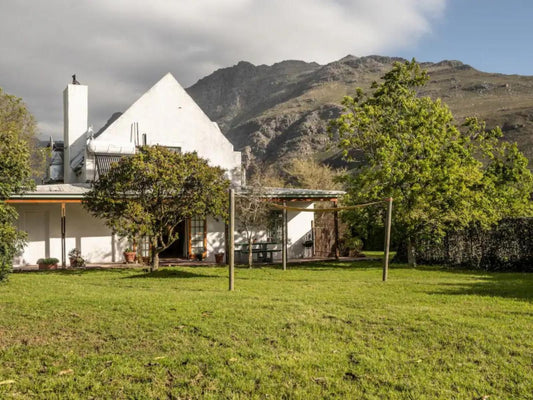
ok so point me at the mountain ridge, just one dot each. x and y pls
(273, 113)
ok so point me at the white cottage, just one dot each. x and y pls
(165, 115)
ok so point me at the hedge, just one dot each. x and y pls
(507, 247)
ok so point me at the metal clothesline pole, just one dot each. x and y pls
(387, 240)
(231, 247)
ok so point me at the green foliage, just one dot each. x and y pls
(507, 181)
(76, 259)
(11, 240)
(305, 173)
(308, 173)
(17, 129)
(47, 261)
(440, 178)
(150, 193)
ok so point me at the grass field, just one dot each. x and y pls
(315, 331)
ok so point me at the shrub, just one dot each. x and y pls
(76, 259)
(48, 261)
(506, 247)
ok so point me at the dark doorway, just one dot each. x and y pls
(178, 249)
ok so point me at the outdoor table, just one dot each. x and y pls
(262, 249)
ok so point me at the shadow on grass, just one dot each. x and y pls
(506, 285)
(317, 266)
(168, 273)
(333, 265)
(80, 271)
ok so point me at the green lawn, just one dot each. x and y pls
(315, 331)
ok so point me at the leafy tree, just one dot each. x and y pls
(151, 192)
(17, 129)
(305, 173)
(440, 178)
(308, 173)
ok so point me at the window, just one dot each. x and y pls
(197, 236)
(144, 246)
(275, 225)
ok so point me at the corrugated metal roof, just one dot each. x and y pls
(77, 190)
(56, 191)
(296, 193)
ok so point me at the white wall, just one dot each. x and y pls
(298, 229)
(215, 238)
(75, 114)
(89, 234)
(170, 117)
(97, 245)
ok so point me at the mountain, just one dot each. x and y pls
(276, 112)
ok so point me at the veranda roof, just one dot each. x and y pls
(296, 194)
(58, 191)
(62, 191)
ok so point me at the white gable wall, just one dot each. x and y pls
(170, 117)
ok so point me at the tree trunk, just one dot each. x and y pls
(411, 252)
(155, 256)
(250, 253)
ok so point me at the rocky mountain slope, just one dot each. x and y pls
(276, 112)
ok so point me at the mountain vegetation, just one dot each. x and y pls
(279, 112)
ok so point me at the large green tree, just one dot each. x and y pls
(17, 130)
(442, 176)
(151, 192)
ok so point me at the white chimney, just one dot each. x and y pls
(75, 111)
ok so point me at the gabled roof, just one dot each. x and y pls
(165, 100)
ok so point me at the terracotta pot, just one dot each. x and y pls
(129, 256)
(219, 258)
(47, 266)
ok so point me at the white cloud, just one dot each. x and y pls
(120, 47)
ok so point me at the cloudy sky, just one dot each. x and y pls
(119, 48)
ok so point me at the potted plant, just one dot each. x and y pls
(130, 255)
(76, 259)
(47, 263)
(219, 258)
